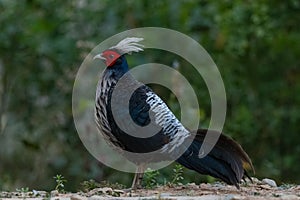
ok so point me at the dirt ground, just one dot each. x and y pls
(256, 190)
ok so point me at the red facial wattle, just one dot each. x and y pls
(111, 57)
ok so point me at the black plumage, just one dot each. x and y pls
(227, 160)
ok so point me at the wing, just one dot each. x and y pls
(143, 102)
(138, 106)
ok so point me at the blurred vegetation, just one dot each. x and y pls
(255, 44)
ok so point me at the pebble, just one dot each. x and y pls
(119, 191)
(165, 195)
(78, 197)
(233, 197)
(37, 193)
(54, 193)
(289, 197)
(270, 182)
(255, 180)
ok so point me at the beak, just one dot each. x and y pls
(100, 57)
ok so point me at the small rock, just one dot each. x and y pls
(205, 185)
(119, 191)
(266, 187)
(270, 182)
(165, 195)
(193, 186)
(255, 180)
(96, 197)
(297, 188)
(78, 197)
(233, 197)
(289, 196)
(219, 185)
(107, 190)
(5, 195)
(99, 191)
(54, 193)
(37, 193)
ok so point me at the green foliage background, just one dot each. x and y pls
(255, 44)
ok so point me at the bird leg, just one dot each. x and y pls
(138, 177)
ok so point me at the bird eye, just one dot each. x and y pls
(111, 56)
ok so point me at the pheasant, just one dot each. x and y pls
(226, 161)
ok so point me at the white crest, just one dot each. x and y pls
(129, 45)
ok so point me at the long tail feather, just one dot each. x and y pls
(226, 161)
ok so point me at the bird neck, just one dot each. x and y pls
(117, 70)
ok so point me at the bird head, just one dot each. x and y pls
(114, 53)
(109, 57)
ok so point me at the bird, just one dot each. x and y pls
(227, 160)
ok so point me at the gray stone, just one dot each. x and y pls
(289, 196)
(270, 182)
